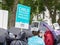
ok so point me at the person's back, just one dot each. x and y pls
(35, 40)
(48, 37)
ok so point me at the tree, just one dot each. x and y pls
(10, 5)
(59, 19)
(36, 7)
(52, 6)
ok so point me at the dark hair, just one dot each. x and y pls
(35, 32)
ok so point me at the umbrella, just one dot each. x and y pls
(28, 33)
(3, 33)
(44, 24)
(14, 30)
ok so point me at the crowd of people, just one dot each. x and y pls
(28, 37)
(37, 38)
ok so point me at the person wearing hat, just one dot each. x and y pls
(36, 39)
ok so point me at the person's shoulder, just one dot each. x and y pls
(39, 38)
(31, 38)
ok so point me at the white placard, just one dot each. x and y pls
(1, 18)
(22, 25)
(56, 26)
(4, 19)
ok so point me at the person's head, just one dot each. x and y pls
(40, 33)
(37, 32)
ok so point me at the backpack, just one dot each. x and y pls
(18, 42)
(48, 38)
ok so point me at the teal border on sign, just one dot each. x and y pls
(23, 13)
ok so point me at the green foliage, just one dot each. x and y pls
(58, 6)
(0, 5)
(52, 6)
(40, 19)
(37, 6)
(9, 3)
(4, 6)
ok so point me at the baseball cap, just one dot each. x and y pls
(34, 29)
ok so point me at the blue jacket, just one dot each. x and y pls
(35, 40)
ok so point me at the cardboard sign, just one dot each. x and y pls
(22, 16)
